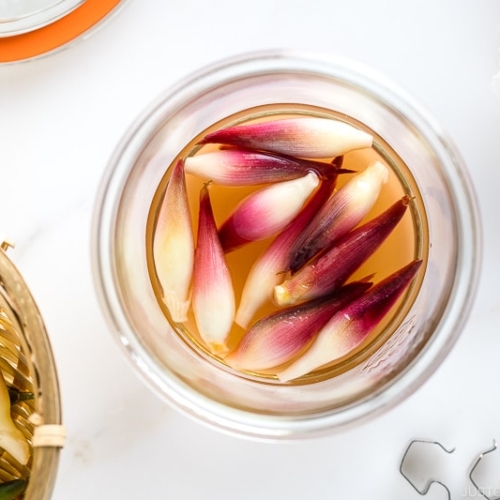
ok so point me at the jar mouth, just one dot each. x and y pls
(132, 161)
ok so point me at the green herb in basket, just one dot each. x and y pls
(16, 396)
(12, 489)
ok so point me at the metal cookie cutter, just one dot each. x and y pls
(480, 489)
(430, 482)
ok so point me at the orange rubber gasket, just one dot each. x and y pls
(57, 34)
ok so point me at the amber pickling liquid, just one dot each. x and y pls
(407, 242)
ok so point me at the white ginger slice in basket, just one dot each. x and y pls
(11, 438)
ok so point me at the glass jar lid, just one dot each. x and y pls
(18, 17)
(50, 28)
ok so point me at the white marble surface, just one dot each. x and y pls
(60, 119)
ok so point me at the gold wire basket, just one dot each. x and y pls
(29, 371)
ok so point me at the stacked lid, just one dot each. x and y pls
(32, 28)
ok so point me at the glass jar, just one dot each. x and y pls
(212, 393)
